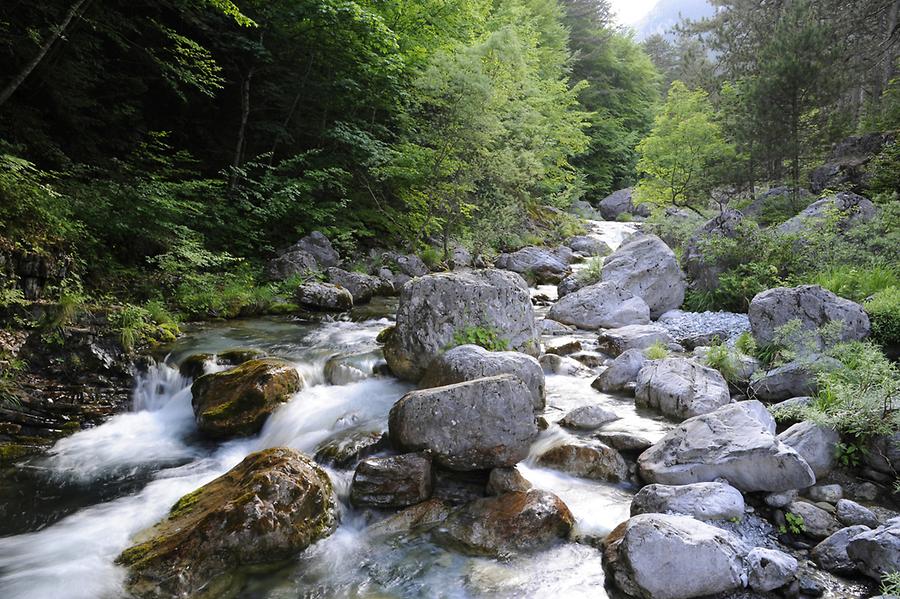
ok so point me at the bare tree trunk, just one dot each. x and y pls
(55, 34)
(242, 130)
(890, 53)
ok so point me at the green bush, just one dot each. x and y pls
(431, 256)
(624, 217)
(657, 351)
(722, 358)
(857, 283)
(884, 313)
(486, 337)
(591, 273)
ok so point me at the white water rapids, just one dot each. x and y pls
(156, 450)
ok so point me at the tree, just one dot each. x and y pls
(682, 159)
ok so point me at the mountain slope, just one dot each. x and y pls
(668, 13)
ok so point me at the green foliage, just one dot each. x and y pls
(890, 584)
(682, 157)
(32, 210)
(858, 400)
(486, 337)
(431, 256)
(858, 283)
(11, 369)
(794, 524)
(722, 358)
(884, 313)
(884, 170)
(849, 454)
(657, 351)
(624, 217)
(591, 273)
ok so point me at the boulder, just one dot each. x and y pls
(849, 209)
(422, 516)
(460, 257)
(883, 453)
(550, 327)
(343, 369)
(735, 442)
(624, 440)
(477, 425)
(320, 248)
(815, 444)
(553, 364)
(850, 513)
(662, 556)
(345, 449)
(361, 286)
(636, 336)
(831, 554)
(323, 296)
(470, 362)
(597, 461)
(588, 418)
(408, 265)
(794, 379)
(538, 264)
(645, 267)
(702, 268)
(602, 305)
(290, 263)
(589, 245)
(195, 365)
(236, 402)
(509, 523)
(506, 480)
(782, 499)
(620, 202)
(621, 372)
(877, 552)
(392, 482)
(846, 166)
(680, 388)
(571, 284)
(824, 493)
(435, 309)
(817, 523)
(813, 307)
(703, 501)
(262, 512)
(769, 569)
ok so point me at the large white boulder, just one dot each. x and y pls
(603, 305)
(680, 388)
(647, 268)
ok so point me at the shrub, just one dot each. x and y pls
(857, 283)
(884, 312)
(890, 584)
(486, 337)
(858, 400)
(591, 273)
(720, 357)
(746, 344)
(431, 256)
(624, 217)
(657, 351)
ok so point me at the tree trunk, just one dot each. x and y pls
(57, 32)
(242, 130)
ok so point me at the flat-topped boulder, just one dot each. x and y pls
(509, 523)
(326, 297)
(476, 425)
(265, 510)
(736, 442)
(647, 268)
(680, 388)
(703, 501)
(437, 310)
(813, 308)
(236, 402)
(662, 556)
(602, 305)
(636, 336)
(469, 362)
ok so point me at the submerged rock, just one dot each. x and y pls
(602, 305)
(391, 482)
(509, 523)
(597, 461)
(237, 402)
(648, 269)
(735, 442)
(477, 425)
(680, 388)
(435, 310)
(265, 510)
(661, 556)
(470, 362)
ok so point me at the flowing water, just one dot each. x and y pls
(79, 506)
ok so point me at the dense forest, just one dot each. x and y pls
(162, 151)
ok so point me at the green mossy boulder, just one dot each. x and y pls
(236, 402)
(262, 512)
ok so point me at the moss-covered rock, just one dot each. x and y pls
(262, 512)
(237, 402)
(194, 366)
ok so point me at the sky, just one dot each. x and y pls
(630, 11)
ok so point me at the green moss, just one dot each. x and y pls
(9, 452)
(186, 503)
(71, 427)
(385, 334)
(283, 308)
